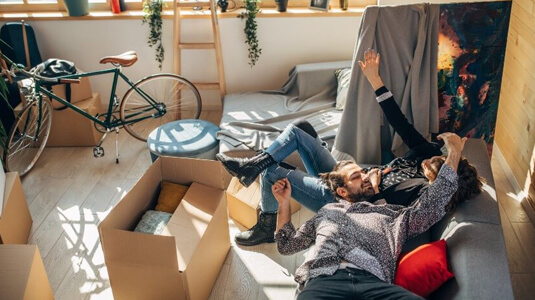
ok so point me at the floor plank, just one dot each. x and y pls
(526, 237)
(523, 286)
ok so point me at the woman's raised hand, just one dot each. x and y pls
(370, 68)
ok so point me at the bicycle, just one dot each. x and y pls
(147, 104)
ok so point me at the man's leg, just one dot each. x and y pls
(307, 189)
(370, 287)
(339, 286)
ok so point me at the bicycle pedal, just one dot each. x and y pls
(98, 151)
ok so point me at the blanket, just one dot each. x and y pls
(407, 39)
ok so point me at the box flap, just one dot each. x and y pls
(38, 286)
(188, 170)
(136, 202)
(16, 220)
(141, 266)
(191, 219)
(16, 262)
(210, 255)
(250, 196)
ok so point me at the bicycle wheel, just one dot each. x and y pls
(175, 96)
(28, 137)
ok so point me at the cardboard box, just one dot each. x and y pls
(71, 129)
(79, 91)
(244, 203)
(22, 273)
(15, 220)
(184, 261)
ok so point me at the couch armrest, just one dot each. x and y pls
(307, 80)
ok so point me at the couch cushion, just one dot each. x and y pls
(477, 256)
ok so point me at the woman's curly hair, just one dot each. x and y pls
(470, 184)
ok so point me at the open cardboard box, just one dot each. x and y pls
(244, 202)
(184, 261)
(71, 129)
(15, 220)
(22, 273)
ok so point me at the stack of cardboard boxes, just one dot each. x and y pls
(22, 273)
(70, 128)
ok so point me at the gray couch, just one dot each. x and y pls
(473, 232)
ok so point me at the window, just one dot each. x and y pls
(25, 6)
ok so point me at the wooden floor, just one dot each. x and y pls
(69, 192)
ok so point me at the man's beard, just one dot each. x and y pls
(361, 196)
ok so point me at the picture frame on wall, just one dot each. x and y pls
(319, 5)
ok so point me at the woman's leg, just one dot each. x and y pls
(312, 150)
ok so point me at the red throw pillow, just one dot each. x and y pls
(424, 269)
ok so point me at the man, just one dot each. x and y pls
(400, 182)
(356, 242)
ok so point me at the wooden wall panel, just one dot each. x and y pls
(515, 128)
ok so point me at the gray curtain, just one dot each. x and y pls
(407, 39)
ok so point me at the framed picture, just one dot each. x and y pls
(319, 4)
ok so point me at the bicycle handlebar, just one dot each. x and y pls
(20, 68)
(69, 80)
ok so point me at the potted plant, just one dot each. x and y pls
(251, 10)
(152, 14)
(77, 8)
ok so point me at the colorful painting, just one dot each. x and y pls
(472, 39)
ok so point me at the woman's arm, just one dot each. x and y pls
(410, 136)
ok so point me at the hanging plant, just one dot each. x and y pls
(152, 14)
(251, 10)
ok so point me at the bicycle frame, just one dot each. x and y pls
(107, 123)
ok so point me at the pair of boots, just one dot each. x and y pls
(246, 170)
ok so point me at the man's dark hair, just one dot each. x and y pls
(470, 184)
(334, 179)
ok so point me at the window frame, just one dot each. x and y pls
(133, 5)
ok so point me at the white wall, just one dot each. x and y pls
(285, 42)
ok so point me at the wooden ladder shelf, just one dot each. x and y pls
(216, 44)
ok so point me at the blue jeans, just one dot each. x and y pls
(307, 188)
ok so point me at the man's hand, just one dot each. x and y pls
(455, 145)
(282, 190)
(375, 177)
(452, 141)
(370, 68)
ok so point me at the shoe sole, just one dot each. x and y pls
(265, 241)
